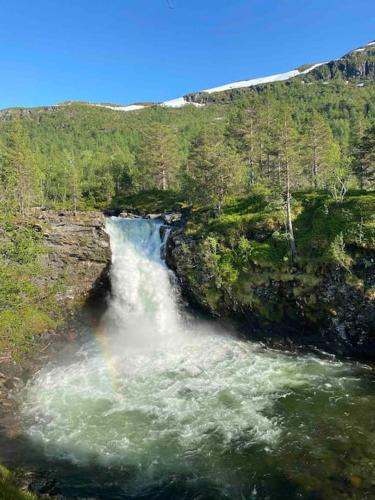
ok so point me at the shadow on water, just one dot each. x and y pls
(51, 476)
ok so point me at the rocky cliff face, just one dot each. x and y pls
(356, 67)
(329, 308)
(78, 254)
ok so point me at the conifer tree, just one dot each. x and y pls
(364, 160)
(213, 170)
(242, 134)
(18, 172)
(159, 157)
(289, 162)
(319, 148)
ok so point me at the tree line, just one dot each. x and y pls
(259, 142)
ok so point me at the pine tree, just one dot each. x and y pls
(18, 175)
(289, 161)
(319, 147)
(213, 171)
(364, 160)
(242, 134)
(159, 157)
(122, 170)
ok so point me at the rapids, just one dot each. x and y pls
(160, 404)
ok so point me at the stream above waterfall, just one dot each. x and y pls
(157, 403)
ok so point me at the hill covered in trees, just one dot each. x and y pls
(286, 144)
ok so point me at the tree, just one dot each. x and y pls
(289, 167)
(364, 159)
(74, 184)
(337, 174)
(18, 174)
(159, 157)
(213, 170)
(122, 170)
(319, 147)
(242, 133)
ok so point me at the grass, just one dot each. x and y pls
(8, 488)
(324, 220)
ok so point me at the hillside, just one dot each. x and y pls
(302, 136)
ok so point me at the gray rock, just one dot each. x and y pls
(172, 217)
(153, 216)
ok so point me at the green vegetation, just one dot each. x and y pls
(82, 156)
(27, 304)
(230, 258)
(271, 173)
(152, 201)
(8, 488)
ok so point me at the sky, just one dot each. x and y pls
(125, 51)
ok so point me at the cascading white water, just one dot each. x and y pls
(143, 308)
(166, 397)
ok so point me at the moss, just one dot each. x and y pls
(353, 280)
(9, 489)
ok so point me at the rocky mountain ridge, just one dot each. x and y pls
(357, 65)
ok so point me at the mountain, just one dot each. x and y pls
(357, 65)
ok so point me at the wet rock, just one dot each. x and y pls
(128, 215)
(42, 483)
(153, 216)
(172, 218)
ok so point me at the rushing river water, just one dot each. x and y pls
(161, 405)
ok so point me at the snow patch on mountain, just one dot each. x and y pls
(179, 102)
(259, 81)
(129, 107)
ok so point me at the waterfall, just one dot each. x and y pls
(143, 308)
(170, 401)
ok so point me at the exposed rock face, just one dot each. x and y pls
(78, 253)
(357, 67)
(324, 310)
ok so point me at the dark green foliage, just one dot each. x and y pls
(364, 159)
(246, 247)
(213, 171)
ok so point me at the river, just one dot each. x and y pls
(157, 403)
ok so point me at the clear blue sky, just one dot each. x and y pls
(151, 50)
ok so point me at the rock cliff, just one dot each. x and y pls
(77, 254)
(321, 306)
